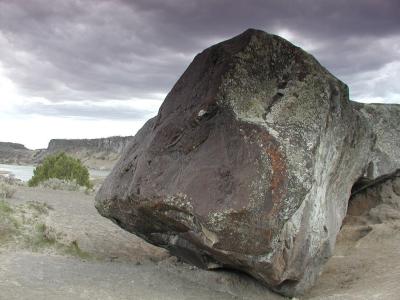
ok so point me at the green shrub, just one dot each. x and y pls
(63, 167)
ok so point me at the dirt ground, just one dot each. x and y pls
(109, 263)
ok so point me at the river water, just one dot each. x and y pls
(26, 172)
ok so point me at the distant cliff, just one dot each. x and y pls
(114, 144)
(100, 153)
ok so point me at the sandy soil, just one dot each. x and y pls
(119, 265)
(116, 265)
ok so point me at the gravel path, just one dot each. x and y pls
(26, 275)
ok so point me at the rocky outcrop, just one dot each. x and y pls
(248, 165)
(12, 153)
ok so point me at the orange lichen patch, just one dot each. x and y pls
(279, 179)
(267, 234)
(261, 217)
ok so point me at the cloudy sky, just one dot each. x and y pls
(95, 68)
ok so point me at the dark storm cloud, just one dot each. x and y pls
(82, 50)
(99, 49)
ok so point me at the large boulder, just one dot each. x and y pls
(248, 165)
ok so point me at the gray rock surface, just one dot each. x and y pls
(384, 119)
(248, 165)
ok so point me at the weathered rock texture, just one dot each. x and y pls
(248, 165)
(384, 119)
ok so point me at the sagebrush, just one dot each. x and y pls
(61, 166)
(61, 184)
(6, 190)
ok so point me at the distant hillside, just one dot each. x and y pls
(12, 153)
(4, 145)
(100, 153)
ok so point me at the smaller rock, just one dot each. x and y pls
(396, 187)
(384, 213)
(379, 203)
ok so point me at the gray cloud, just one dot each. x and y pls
(102, 49)
(87, 110)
